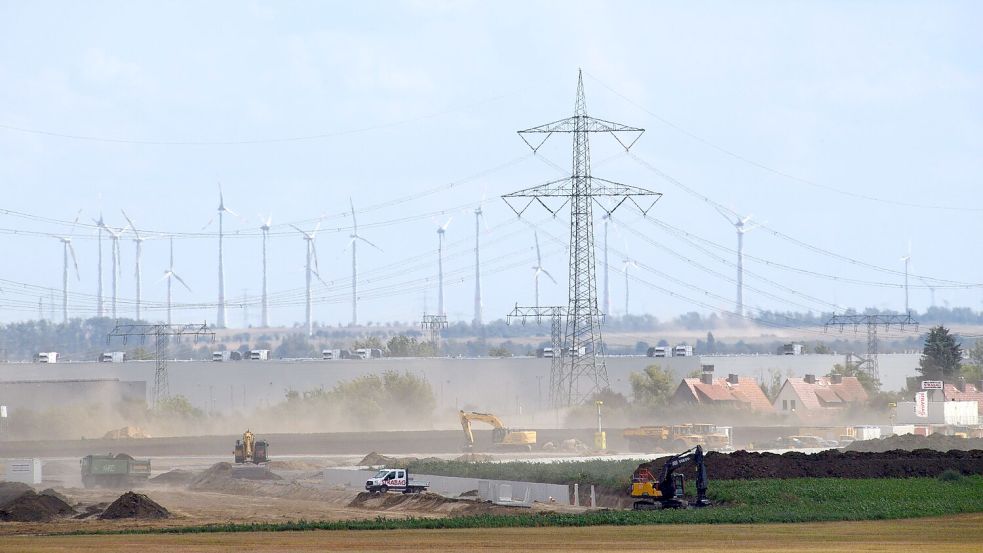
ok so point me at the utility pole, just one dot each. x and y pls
(869, 364)
(585, 374)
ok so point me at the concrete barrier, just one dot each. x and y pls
(490, 490)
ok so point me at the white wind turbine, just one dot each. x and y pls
(742, 227)
(168, 275)
(114, 236)
(538, 268)
(66, 244)
(267, 224)
(355, 237)
(907, 260)
(138, 241)
(222, 210)
(101, 225)
(309, 238)
(441, 229)
(628, 263)
(479, 218)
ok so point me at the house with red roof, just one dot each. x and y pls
(964, 391)
(733, 391)
(818, 395)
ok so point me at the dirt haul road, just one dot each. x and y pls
(962, 533)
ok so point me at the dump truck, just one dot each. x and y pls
(397, 480)
(114, 471)
(667, 490)
(677, 437)
(505, 439)
(249, 450)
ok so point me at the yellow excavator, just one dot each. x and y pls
(249, 450)
(505, 439)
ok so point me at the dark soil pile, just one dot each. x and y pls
(34, 507)
(134, 505)
(176, 477)
(10, 491)
(742, 465)
(223, 472)
(911, 442)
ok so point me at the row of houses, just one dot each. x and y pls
(809, 395)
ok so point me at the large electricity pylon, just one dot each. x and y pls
(869, 363)
(582, 374)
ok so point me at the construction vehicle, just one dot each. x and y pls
(667, 491)
(678, 437)
(398, 480)
(505, 439)
(114, 471)
(248, 450)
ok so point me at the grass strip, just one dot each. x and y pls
(742, 502)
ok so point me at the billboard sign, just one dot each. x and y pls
(931, 384)
(921, 404)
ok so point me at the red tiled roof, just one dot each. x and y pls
(952, 393)
(813, 396)
(827, 395)
(745, 391)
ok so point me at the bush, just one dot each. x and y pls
(950, 475)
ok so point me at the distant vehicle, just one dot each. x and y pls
(792, 349)
(363, 353)
(221, 356)
(397, 480)
(113, 357)
(251, 450)
(376, 353)
(47, 357)
(658, 351)
(236, 356)
(259, 355)
(119, 471)
(682, 351)
(328, 354)
(546, 352)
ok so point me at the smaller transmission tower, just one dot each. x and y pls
(434, 324)
(869, 363)
(560, 384)
(161, 334)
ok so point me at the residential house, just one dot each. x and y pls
(823, 394)
(733, 391)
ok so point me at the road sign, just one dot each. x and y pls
(931, 384)
(921, 404)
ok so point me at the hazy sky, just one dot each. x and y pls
(297, 106)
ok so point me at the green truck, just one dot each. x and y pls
(114, 471)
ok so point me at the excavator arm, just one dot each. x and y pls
(695, 456)
(468, 416)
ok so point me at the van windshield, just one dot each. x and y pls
(381, 474)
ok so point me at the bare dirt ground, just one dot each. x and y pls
(962, 533)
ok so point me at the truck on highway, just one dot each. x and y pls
(259, 355)
(682, 351)
(114, 471)
(397, 480)
(221, 356)
(113, 357)
(47, 357)
(659, 351)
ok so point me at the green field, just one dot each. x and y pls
(738, 501)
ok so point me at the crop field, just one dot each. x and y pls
(955, 534)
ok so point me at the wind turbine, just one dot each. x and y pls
(441, 229)
(355, 236)
(310, 237)
(267, 223)
(222, 210)
(538, 268)
(741, 226)
(138, 241)
(168, 275)
(114, 236)
(100, 224)
(629, 262)
(479, 218)
(66, 245)
(907, 260)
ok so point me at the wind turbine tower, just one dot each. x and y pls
(114, 236)
(266, 236)
(138, 241)
(907, 260)
(309, 238)
(741, 226)
(100, 310)
(170, 274)
(355, 236)
(222, 210)
(440, 266)
(66, 244)
(477, 265)
(539, 269)
(629, 262)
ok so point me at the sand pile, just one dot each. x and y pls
(221, 473)
(742, 465)
(30, 506)
(134, 505)
(911, 442)
(176, 477)
(424, 502)
(254, 481)
(293, 465)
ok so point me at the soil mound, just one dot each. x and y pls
(34, 507)
(292, 465)
(377, 459)
(134, 505)
(911, 442)
(221, 473)
(10, 491)
(51, 492)
(176, 477)
(426, 502)
(742, 465)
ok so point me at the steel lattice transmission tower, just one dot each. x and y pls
(434, 324)
(869, 363)
(582, 373)
(161, 333)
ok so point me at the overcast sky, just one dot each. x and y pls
(854, 127)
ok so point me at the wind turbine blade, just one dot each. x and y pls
(181, 280)
(367, 242)
(132, 226)
(314, 254)
(208, 224)
(71, 250)
(726, 214)
(448, 223)
(316, 229)
(354, 220)
(539, 258)
(318, 275)
(230, 212)
(295, 227)
(547, 273)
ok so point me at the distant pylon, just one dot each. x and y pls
(583, 371)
